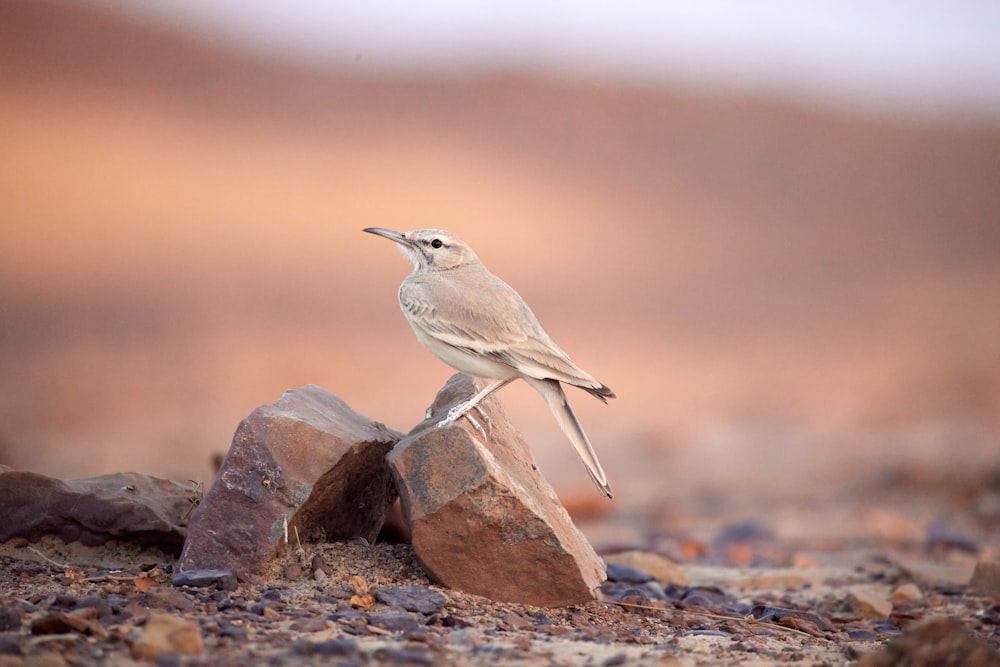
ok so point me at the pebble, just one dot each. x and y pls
(660, 568)
(167, 633)
(224, 579)
(870, 600)
(627, 574)
(412, 598)
(394, 622)
(905, 594)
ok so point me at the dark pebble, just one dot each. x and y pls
(455, 622)
(395, 622)
(10, 618)
(743, 532)
(168, 659)
(224, 579)
(886, 629)
(319, 564)
(627, 574)
(615, 660)
(10, 645)
(705, 596)
(102, 606)
(412, 598)
(271, 594)
(770, 614)
(862, 635)
(230, 630)
(540, 618)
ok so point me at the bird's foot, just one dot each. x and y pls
(463, 410)
(455, 414)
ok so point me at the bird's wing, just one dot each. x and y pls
(491, 320)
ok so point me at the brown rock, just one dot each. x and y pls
(164, 633)
(986, 578)
(871, 600)
(122, 506)
(939, 642)
(659, 567)
(308, 464)
(905, 594)
(482, 518)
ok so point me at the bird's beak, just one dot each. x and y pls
(389, 234)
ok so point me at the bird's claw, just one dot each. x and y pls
(463, 410)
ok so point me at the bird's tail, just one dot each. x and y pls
(553, 394)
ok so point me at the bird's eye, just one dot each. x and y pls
(436, 243)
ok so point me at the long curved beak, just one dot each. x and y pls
(398, 237)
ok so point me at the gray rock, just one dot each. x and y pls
(483, 519)
(307, 463)
(411, 598)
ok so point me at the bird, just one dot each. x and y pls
(479, 325)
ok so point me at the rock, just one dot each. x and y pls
(905, 594)
(164, 633)
(92, 510)
(307, 467)
(57, 623)
(659, 567)
(224, 580)
(482, 518)
(871, 600)
(626, 574)
(411, 598)
(939, 642)
(986, 578)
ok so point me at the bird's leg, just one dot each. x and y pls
(462, 409)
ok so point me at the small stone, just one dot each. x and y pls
(58, 622)
(661, 568)
(102, 606)
(319, 565)
(164, 633)
(225, 580)
(394, 622)
(870, 600)
(905, 594)
(293, 572)
(627, 574)
(986, 578)
(309, 624)
(412, 598)
(10, 618)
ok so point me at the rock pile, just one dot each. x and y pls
(307, 468)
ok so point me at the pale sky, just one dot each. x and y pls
(930, 57)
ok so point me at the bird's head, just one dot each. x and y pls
(430, 249)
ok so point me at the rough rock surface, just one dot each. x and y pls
(307, 462)
(483, 519)
(92, 510)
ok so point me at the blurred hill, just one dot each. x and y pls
(765, 287)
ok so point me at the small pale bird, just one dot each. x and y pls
(478, 325)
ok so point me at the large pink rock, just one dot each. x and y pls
(307, 462)
(483, 519)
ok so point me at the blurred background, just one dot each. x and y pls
(772, 228)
